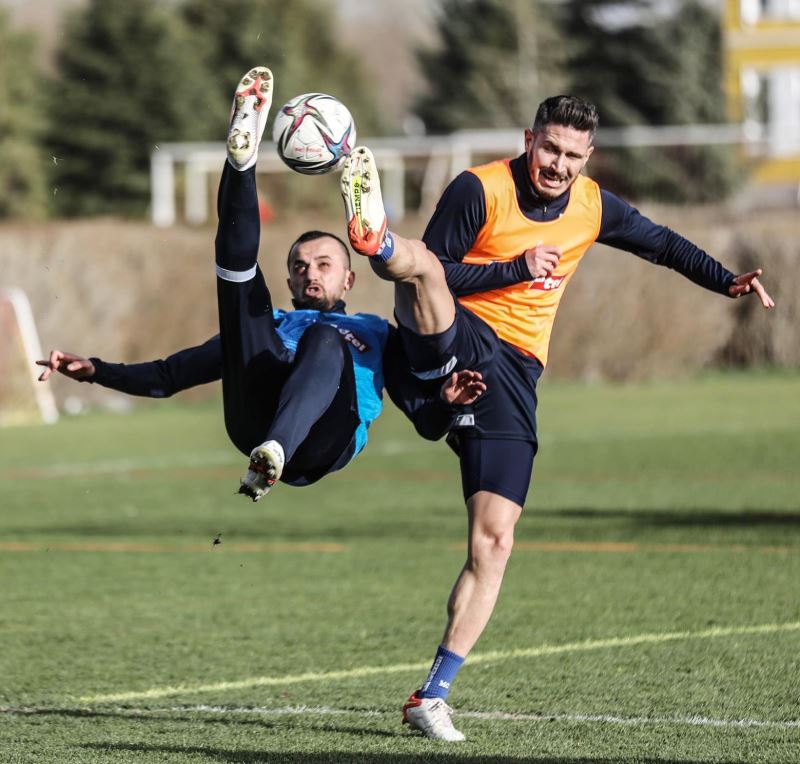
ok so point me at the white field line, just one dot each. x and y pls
(694, 720)
(477, 658)
(503, 716)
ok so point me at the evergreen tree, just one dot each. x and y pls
(643, 69)
(22, 173)
(295, 39)
(126, 80)
(497, 59)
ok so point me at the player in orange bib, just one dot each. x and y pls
(531, 219)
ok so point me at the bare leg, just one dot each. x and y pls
(491, 537)
(422, 301)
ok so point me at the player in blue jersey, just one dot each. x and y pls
(297, 396)
(529, 220)
(300, 387)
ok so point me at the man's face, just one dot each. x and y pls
(556, 155)
(318, 274)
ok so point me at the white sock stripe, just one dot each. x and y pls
(236, 276)
(442, 371)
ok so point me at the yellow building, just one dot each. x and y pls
(762, 81)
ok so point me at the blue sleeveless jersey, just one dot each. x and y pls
(365, 335)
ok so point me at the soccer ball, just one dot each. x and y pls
(314, 132)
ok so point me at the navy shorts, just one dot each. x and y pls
(507, 410)
(469, 343)
(495, 437)
(498, 466)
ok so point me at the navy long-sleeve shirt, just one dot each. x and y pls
(461, 213)
(163, 378)
(419, 401)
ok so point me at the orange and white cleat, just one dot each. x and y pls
(431, 716)
(363, 205)
(249, 117)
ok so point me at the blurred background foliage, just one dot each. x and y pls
(494, 62)
(297, 40)
(652, 70)
(22, 126)
(129, 74)
(497, 59)
(126, 79)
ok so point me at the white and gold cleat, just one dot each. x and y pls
(249, 117)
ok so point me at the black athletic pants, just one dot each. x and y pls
(305, 401)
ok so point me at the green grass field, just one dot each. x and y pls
(651, 610)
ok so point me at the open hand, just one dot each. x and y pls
(748, 282)
(463, 388)
(69, 364)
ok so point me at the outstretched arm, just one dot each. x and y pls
(624, 227)
(153, 379)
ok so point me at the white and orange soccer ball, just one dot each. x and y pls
(314, 132)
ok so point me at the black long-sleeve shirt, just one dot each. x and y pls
(418, 400)
(461, 213)
(163, 378)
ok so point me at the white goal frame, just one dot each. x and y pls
(23, 314)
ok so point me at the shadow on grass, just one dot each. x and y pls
(454, 754)
(439, 752)
(721, 517)
(233, 720)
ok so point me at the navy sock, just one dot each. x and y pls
(443, 672)
(386, 250)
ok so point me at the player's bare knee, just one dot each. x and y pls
(491, 547)
(419, 266)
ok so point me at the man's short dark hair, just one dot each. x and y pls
(569, 111)
(312, 236)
